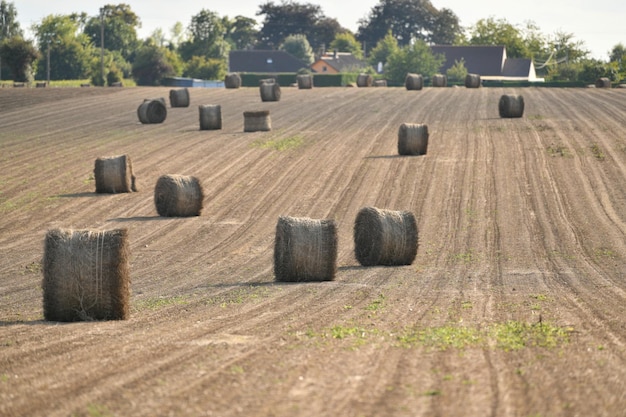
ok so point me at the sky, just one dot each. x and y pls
(600, 26)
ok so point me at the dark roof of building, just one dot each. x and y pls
(516, 67)
(264, 61)
(343, 61)
(483, 60)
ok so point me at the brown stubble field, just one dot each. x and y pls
(515, 304)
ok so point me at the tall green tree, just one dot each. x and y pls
(153, 63)
(284, 19)
(383, 49)
(298, 46)
(9, 26)
(346, 42)
(120, 29)
(241, 32)
(417, 58)
(18, 55)
(207, 33)
(499, 32)
(409, 20)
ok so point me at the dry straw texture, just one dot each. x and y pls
(414, 81)
(364, 80)
(210, 116)
(257, 121)
(270, 91)
(412, 139)
(472, 81)
(152, 111)
(439, 80)
(232, 80)
(511, 106)
(305, 81)
(178, 196)
(603, 82)
(305, 250)
(179, 98)
(385, 237)
(114, 174)
(86, 275)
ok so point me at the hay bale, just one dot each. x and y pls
(472, 81)
(304, 81)
(114, 174)
(179, 98)
(364, 80)
(178, 196)
(305, 250)
(385, 237)
(511, 106)
(210, 116)
(86, 275)
(603, 82)
(380, 83)
(412, 139)
(232, 80)
(19, 85)
(41, 85)
(116, 84)
(270, 90)
(257, 121)
(414, 81)
(152, 111)
(85, 85)
(439, 80)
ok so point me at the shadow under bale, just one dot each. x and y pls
(412, 139)
(114, 174)
(414, 81)
(178, 196)
(385, 237)
(152, 111)
(210, 116)
(511, 106)
(179, 98)
(86, 275)
(305, 250)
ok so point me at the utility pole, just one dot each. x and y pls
(102, 45)
(48, 65)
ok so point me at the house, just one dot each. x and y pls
(490, 62)
(337, 62)
(268, 61)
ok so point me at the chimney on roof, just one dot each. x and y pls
(334, 54)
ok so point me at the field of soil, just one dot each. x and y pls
(514, 306)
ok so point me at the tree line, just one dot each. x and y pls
(396, 33)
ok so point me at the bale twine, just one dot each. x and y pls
(114, 174)
(210, 116)
(257, 121)
(364, 80)
(603, 82)
(472, 81)
(178, 196)
(152, 111)
(385, 237)
(380, 83)
(511, 106)
(232, 80)
(305, 250)
(412, 139)
(179, 98)
(414, 81)
(439, 80)
(305, 81)
(86, 275)
(270, 91)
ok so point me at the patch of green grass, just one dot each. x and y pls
(467, 305)
(377, 305)
(4, 378)
(515, 335)
(442, 338)
(604, 253)
(95, 410)
(467, 257)
(237, 370)
(342, 332)
(283, 144)
(33, 268)
(539, 297)
(238, 296)
(558, 150)
(432, 393)
(160, 302)
(597, 152)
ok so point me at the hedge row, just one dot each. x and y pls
(249, 79)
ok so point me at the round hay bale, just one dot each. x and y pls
(152, 111)
(210, 116)
(257, 121)
(364, 80)
(385, 237)
(270, 91)
(178, 196)
(472, 81)
(439, 80)
(511, 106)
(305, 250)
(232, 80)
(380, 83)
(116, 84)
(86, 275)
(41, 85)
(179, 98)
(114, 174)
(603, 82)
(412, 139)
(305, 81)
(85, 85)
(414, 81)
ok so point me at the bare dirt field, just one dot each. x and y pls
(515, 304)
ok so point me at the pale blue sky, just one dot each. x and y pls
(600, 25)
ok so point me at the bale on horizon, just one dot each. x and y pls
(414, 81)
(511, 106)
(305, 81)
(232, 80)
(439, 80)
(364, 80)
(472, 81)
(86, 275)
